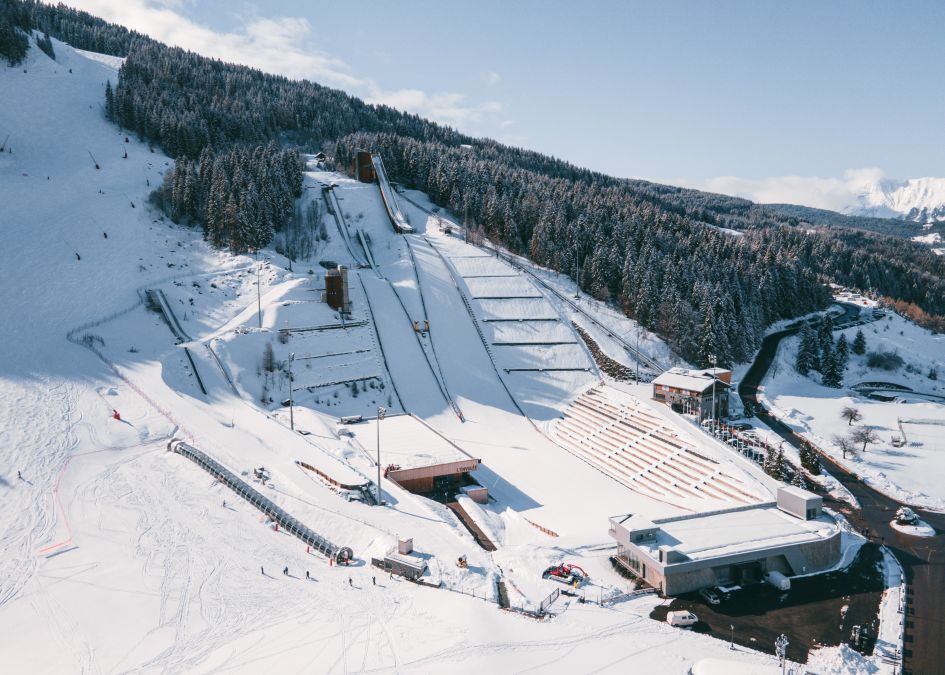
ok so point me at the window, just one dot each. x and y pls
(629, 558)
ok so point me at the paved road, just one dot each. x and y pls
(922, 558)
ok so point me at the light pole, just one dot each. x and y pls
(291, 412)
(732, 626)
(380, 415)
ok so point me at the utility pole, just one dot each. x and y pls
(712, 360)
(637, 359)
(291, 411)
(380, 415)
(258, 291)
(577, 270)
(780, 648)
(732, 626)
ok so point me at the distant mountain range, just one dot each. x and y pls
(921, 200)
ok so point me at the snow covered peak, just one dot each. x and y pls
(918, 199)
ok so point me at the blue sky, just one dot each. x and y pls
(770, 100)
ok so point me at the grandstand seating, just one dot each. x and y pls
(624, 439)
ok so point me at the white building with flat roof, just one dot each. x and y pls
(735, 546)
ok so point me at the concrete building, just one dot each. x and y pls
(694, 391)
(729, 547)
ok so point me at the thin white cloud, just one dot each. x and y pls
(282, 46)
(490, 77)
(448, 107)
(273, 45)
(835, 194)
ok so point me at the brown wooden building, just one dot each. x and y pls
(694, 392)
(363, 168)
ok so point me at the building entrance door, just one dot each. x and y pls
(748, 573)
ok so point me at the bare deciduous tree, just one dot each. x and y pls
(851, 415)
(845, 444)
(864, 435)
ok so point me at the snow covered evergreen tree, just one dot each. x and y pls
(859, 343)
(806, 350)
(830, 369)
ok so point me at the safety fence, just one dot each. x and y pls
(341, 554)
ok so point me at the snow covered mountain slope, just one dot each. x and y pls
(918, 199)
(118, 556)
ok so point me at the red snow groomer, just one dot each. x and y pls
(566, 573)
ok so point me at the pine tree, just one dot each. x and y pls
(843, 353)
(46, 45)
(778, 468)
(830, 368)
(768, 465)
(269, 358)
(859, 343)
(826, 332)
(798, 480)
(806, 350)
(109, 101)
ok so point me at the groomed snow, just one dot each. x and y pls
(116, 555)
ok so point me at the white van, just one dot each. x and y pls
(681, 617)
(778, 580)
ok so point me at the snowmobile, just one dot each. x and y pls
(566, 573)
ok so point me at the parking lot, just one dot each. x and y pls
(817, 611)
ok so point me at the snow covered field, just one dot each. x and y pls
(116, 555)
(915, 472)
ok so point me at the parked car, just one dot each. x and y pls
(710, 596)
(681, 617)
(742, 426)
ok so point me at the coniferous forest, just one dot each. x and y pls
(667, 256)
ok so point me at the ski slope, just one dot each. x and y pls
(117, 555)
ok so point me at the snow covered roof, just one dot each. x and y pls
(720, 533)
(797, 492)
(690, 380)
(408, 442)
(635, 522)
